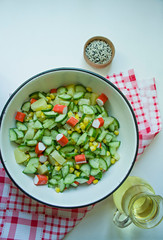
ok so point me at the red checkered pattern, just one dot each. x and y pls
(24, 218)
(143, 99)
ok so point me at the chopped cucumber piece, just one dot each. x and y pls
(58, 160)
(87, 109)
(78, 95)
(26, 107)
(67, 149)
(65, 96)
(60, 118)
(12, 135)
(21, 126)
(55, 154)
(82, 179)
(80, 88)
(47, 140)
(20, 134)
(82, 139)
(61, 90)
(50, 114)
(70, 178)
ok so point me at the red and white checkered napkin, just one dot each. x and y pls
(143, 98)
(24, 218)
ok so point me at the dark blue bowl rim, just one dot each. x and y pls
(105, 80)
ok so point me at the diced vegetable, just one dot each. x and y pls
(39, 105)
(62, 139)
(80, 159)
(97, 123)
(101, 99)
(65, 137)
(60, 109)
(40, 179)
(20, 156)
(20, 116)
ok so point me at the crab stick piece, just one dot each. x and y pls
(53, 90)
(42, 158)
(91, 179)
(99, 145)
(40, 179)
(101, 99)
(80, 159)
(40, 147)
(20, 116)
(72, 121)
(77, 183)
(60, 109)
(98, 122)
(62, 139)
(33, 100)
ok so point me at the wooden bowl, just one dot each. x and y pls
(97, 65)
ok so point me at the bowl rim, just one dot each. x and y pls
(105, 80)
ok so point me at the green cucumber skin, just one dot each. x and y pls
(29, 133)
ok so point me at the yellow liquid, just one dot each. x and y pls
(132, 186)
(144, 208)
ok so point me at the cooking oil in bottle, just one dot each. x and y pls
(136, 199)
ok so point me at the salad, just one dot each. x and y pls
(65, 137)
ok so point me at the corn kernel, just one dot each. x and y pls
(77, 128)
(46, 163)
(71, 170)
(81, 149)
(76, 102)
(104, 140)
(112, 160)
(70, 114)
(93, 148)
(116, 132)
(49, 99)
(57, 168)
(56, 163)
(38, 113)
(77, 166)
(92, 139)
(69, 131)
(42, 115)
(95, 144)
(48, 106)
(82, 126)
(76, 151)
(52, 96)
(90, 144)
(77, 173)
(79, 131)
(30, 114)
(57, 189)
(29, 118)
(77, 116)
(108, 153)
(58, 147)
(95, 181)
(86, 120)
(89, 89)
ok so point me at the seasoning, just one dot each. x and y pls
(98, 51)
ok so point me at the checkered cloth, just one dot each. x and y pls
(24, 218)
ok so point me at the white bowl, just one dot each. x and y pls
(117, 106)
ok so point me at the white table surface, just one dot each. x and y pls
(40, 35)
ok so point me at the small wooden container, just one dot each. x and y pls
(96, 65)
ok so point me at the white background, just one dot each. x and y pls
(39, 35)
